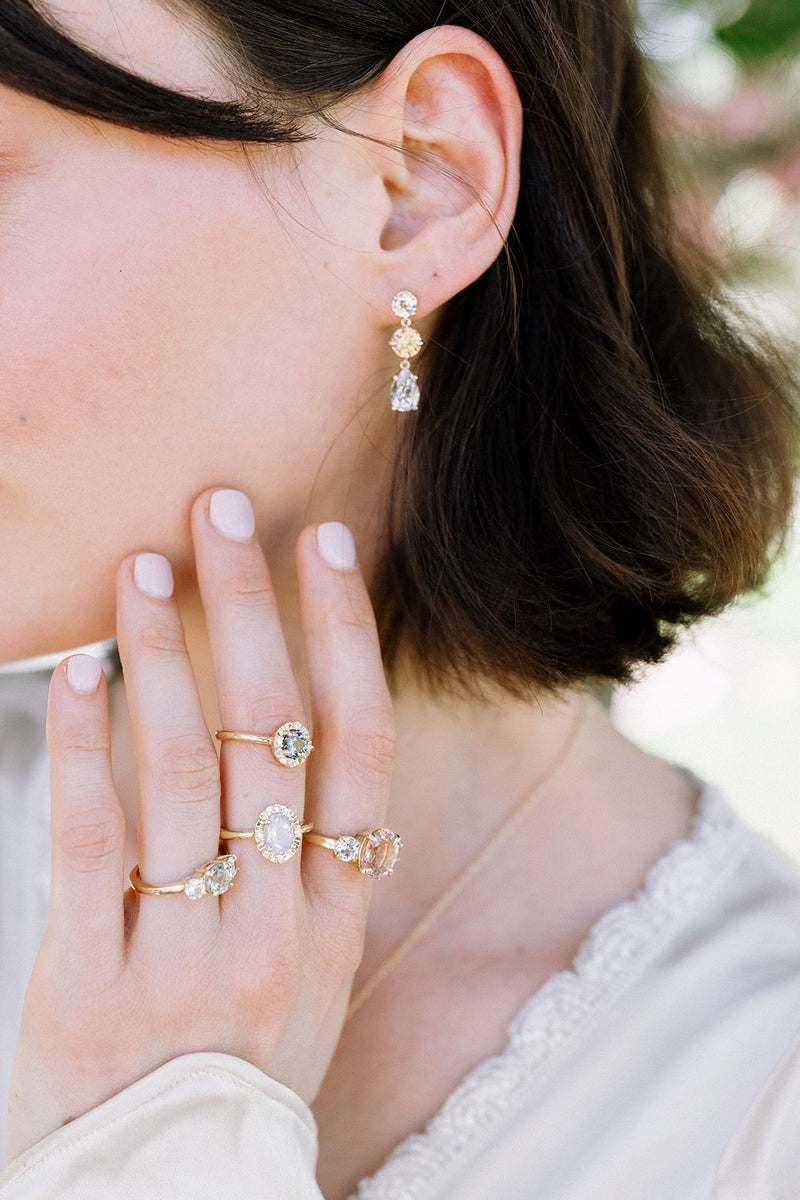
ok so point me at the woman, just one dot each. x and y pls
(214, 217)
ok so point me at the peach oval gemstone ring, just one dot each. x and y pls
(375, 852)
(291, 744)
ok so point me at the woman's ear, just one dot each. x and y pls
(449, 104)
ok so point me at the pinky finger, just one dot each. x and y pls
(87, 822)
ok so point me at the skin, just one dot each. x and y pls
(172, 323)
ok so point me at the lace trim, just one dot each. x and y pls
(621, 942)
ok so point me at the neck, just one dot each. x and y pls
(463, 765)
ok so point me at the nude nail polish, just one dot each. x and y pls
(152, 575)
(231, 514)
(336, 546)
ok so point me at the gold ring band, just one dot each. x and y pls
(212, 879)
(291, 743)
(375, 851)
(278, 833)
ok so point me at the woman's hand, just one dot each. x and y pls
(264, 971)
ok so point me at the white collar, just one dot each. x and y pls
(48, 662)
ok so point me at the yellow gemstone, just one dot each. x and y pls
(406, 342)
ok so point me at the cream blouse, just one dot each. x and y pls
(664, 1066)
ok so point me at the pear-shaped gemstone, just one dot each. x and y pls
(405, 390)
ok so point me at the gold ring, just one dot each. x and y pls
(212, 879)
(278, 833)
(291, 744)
(374, 852)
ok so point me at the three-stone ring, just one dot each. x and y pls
(278, 833)
(212, 879)
(374, 852)
(291, 744)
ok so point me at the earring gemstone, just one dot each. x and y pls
(406, 342)
(404, 304)
(405, 390)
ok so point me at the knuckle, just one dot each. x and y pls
(367, 743)
(164, 639)
(87, 744)
(340, 930)
(265, 713)
(187, 768)
(275, 980)
(93, 840)
(251, 588)
(345, 623)
(344, 950)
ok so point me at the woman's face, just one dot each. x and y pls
(170, 319)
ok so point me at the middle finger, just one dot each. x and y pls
(256, 687)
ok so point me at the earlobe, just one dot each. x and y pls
(453, 194)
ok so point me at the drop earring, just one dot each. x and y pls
(406, 342)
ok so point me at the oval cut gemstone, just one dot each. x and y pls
(379, 853)
(279, 833)
(194, 888)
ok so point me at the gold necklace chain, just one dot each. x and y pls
(472, 868)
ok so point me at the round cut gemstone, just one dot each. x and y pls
(194, 887)
(406, 342)
(292, 744)
(218, 876)
(404, 304)
(347, 848)
(379, 852)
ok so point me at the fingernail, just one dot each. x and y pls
(231, 514)
(335, 544)
(152, 574)
(83, 673)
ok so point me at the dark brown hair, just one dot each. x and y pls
(602, 454)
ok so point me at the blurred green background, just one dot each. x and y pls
(727, 703)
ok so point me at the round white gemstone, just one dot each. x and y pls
(194, 888)
(347, 848)
(404, 304)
